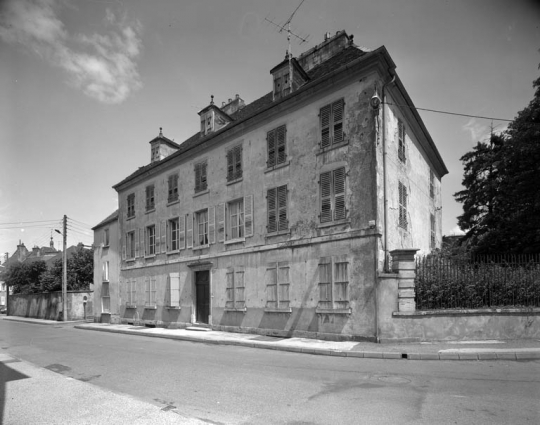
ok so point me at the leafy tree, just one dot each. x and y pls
(80, 272)
(24, 278)
(501, 199)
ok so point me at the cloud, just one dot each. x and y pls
(477, 129)
(456, 231)
(103, 66)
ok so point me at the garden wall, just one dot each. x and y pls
(48, 305)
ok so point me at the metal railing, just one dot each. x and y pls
(471, 282)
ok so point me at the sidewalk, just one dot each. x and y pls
(457, 350)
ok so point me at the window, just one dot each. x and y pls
(150, 290)
(155, 153)
(234, 163)
(334, 283)
(131, 289)
(174, 290)
(401, 141)
(131, 205)
(150, 200)
(235, 219)
(105, 274)
(106, 237)
(150, 240)
(331, 117)
(276, 146)
(402, 206)
(431, 184)
(432, 227)
(173, 188)
(130, 245)
(200, 177)
(277, 87)
(174, 235)
(201, 228)
(332, 185)
(277, 286)
(235, 289)
(276, 200)
(105, 298)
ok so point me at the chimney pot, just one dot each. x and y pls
(230, 100)
(238, 96)
(222, 104)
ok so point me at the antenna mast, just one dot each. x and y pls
(287, 27)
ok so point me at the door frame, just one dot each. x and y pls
(194, 268)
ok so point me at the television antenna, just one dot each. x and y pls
(287, 27)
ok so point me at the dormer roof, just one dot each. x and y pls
(162, 139)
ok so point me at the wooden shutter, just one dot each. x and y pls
(326, 197)
(230, 165)
(271, 143)
(174, 282)
(339, 194)
(283, 282)
(248, 216)
(325, 282)
(239, 292)
(325, 126)
(220, 222)
(229, 291)
(197, 177)
(157, 238)
(337, 121)
(238, 162)
(163, 236)
(136, 243)
(271, 285)
(281, 146)
(189, 231)
(181, 232)
(142, 244)
(271, 204)
(283, 223)
(124, 249)
(211, 225)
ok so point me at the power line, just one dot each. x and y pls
(76, 226)
(449, 113)
(29, 227)
(80, 222)
(31, 222)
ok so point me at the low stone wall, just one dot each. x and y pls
(48, 305)
(399, 321)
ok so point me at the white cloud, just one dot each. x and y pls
(103, 66)
(456, 231)
(477, 129)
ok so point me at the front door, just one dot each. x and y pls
(202, 294)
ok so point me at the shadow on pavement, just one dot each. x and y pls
(7, 374)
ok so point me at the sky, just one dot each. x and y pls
(86, 84)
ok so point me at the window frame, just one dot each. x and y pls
(235, 297)
(130, 245)
(277, 286)
(276, 146)
(150, 288)
(332, 303)
(402, 201)
(131, 292)
(331, 122)
(105, 297)
(172, 188)
(150, 191)
(402, 153)
(173, 234)
(332, 195)
(197, 227)
(150, 241)
(277, 209)
(130, 210)
(239, 220)
(106, 237)
(201, 176)
(105, 271)
(235, 163)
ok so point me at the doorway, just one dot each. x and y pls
(202, 296)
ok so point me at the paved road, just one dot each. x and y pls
(235, 385)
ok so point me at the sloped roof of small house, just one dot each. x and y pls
(109, 219)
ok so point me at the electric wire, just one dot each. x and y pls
(28, 222)
(80, 222)
(79, 228)
(449, 113)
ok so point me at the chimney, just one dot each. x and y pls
(22, 252)
(233, 105)
(330, 47)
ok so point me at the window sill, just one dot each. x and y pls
(278, 310)
(130, 218)
(174, 307)
(332, 147)
(241, 310)
(150, 307)
(334, 223)
(238, 180)
(275, 167)
(176, 251)
(106, 312)
(233, 241)
(195, 248)
(333, 310)
(201, 193)
(150, 257)
(105, 281)
(151, 210)
(130, 260)
(131, 306)
(175, 201)
(106, 246)
(279, 233)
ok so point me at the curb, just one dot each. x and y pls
(523, 355)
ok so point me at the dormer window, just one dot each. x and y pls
(213, 119)
(161, 147)
(288, 76)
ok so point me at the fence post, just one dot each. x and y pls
(403, 264)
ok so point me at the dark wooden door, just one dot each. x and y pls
(202, 303)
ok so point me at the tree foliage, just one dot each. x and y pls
(501, 199)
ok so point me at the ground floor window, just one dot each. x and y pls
(150, 285)
(131, 289)
(235, 289)
(333, 283)
(174, 290)
(277, 286)
(105, 298)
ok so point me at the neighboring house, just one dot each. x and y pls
(106, 269)
(277, 216)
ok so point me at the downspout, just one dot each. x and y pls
(385, 188)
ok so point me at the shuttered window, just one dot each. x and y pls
(234, 163)
(277, 286)
(235, 219)
(150, 240)
(150, 290)
(200, 177)
(331, 119)
(201, 228)
(235, 289)
(131, 291)
(402, 221)
(276, 199)
(401, 141)
(276, 143)
(173, 242)
(173, 188)
(130, 245)
(131, 205)
(334, 283)
(174, 289)
(332, 187)
(150, 198)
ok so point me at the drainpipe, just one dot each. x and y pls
(385, 188)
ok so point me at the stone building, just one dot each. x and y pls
(278, 215)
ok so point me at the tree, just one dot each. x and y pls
(501, 199)
(24, 278)
(80, 272)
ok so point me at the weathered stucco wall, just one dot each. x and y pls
(49, 305)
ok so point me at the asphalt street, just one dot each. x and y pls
(238, 385)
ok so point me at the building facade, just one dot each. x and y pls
(278, 216)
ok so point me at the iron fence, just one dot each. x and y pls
(471, 282)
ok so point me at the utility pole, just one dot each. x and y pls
(64, 270)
